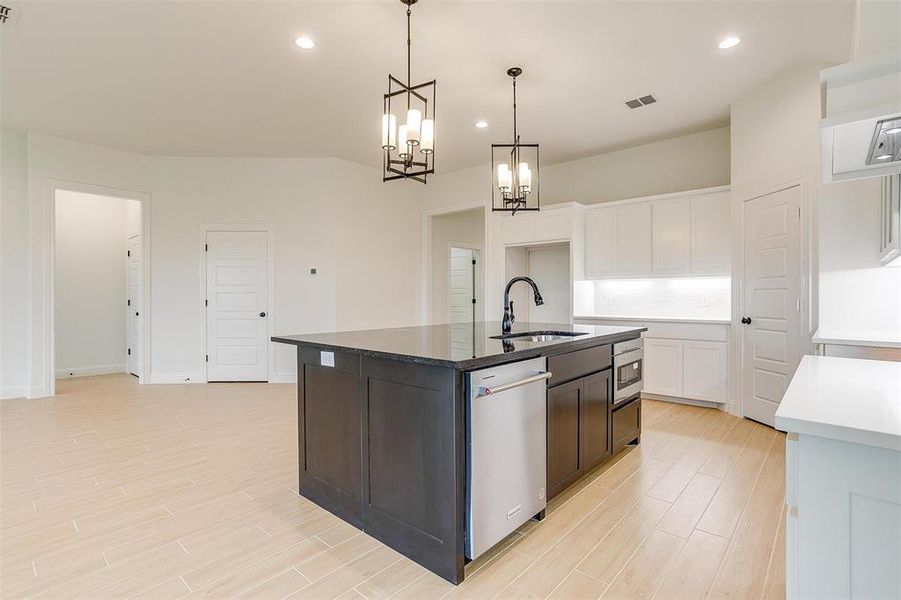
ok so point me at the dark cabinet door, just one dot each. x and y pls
(563, 445)
(594, 422)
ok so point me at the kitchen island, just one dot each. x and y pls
(383, 424)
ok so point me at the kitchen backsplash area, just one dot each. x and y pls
(676, 297)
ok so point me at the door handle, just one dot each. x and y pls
(137, 314)
(746, 320)
(262, 314)
(486, 391)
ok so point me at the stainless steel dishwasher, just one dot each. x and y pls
(506, 451)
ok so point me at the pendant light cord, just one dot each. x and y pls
(409, 51)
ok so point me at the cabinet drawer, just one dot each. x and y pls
(626, 424)
(566, 367)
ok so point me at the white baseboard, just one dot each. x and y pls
(689, 401)
(176, 378)
(89, 371)
(14, 391)
(283, 378)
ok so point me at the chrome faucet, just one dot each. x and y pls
(509, 317)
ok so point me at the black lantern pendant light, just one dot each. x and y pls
(409, 148)
(515, 169)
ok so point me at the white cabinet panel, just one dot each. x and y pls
(600, 242)
(518, 229)
(710, 226)
(671, 236)
(553, 225)
(663, 367)
(633, 239)
(704, 371)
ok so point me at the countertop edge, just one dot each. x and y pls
(861, 341)
(841, 433)
(657, 319)
(474, 363)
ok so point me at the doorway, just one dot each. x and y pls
(463, 284)
(98, 285)
(772, 318)
(237, 302)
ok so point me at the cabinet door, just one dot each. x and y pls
(563, 435)
(704, 373)
(671, 231)
(633, 239)
(710, 227)
(555, 225)
(663, 367)
(594, 419)
(600, 242)
(518, 229)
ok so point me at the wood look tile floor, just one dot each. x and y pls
(115, 490)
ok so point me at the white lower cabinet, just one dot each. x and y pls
(662, 367)
(705, 370)
(692, 369)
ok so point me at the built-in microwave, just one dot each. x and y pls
(628, 358)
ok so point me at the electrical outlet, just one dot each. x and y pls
(312, 270)
(705, 301)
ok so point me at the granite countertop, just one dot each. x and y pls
(463, 346)
(847, 399)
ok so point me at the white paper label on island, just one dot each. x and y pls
(327, 359)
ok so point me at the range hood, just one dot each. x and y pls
(861, 134)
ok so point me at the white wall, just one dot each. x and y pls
(684, 163)
(91, 283)
(361, 234)
(467, 228)
(14, 265)
(858, 296)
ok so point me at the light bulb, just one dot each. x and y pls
(414, 121)
(389, 132)
(504, 177)
(427, 137)
(525, 177)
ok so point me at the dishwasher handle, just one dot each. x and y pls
(486, 391)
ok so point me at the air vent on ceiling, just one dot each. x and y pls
(5, 13)
(639, 102)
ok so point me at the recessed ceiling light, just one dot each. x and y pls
(481, 124)
(893, 130)
(304, 42)
(729, 42)
(884, 157)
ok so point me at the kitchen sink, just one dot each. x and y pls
(539, 336)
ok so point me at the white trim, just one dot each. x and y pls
(15, 391)
(667, 196)
(284, 377)
(90, 371)
(48, 258)
(170, 378)
(427, 216)
(270, 292)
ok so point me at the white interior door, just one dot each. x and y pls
(135, 304)
(237, 306)
(462, 285)
(772, 301)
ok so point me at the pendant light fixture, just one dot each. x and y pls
(408, 149)
(514, 169)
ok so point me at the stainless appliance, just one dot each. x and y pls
(506, 454)
(628, 359)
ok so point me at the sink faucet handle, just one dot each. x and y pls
(512, 316)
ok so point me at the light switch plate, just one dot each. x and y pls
(326, 359)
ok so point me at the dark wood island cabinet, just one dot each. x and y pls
(382, 432)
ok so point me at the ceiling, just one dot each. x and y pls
(195, 78)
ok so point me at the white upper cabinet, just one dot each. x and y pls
(633, 239)
(710, 226)
(546, 225)
(664, 237)
(553, 225)
(671, 232)
(517, 229)
(600, 243)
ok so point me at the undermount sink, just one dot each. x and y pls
(539, 336)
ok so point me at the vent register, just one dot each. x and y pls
(639, 102)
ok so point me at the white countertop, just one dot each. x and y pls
(847, 399)
(884, 338)
(701, 320)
